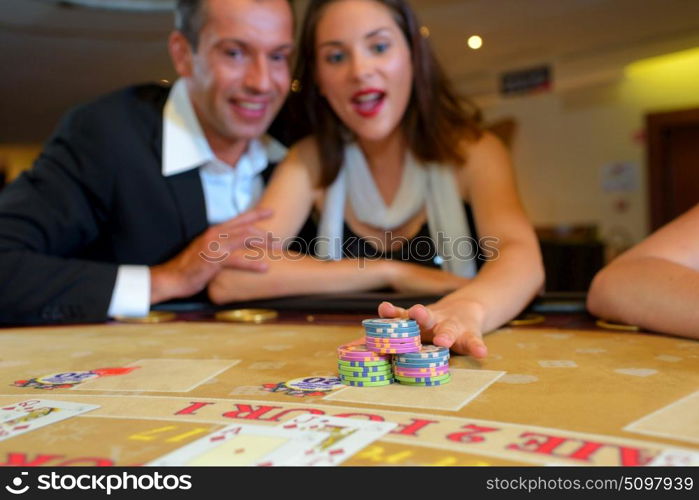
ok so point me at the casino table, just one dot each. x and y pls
(561, 392)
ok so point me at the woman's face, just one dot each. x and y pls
(363, 66)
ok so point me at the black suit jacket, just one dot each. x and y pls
(94, 199)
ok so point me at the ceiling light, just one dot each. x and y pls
(475, 42)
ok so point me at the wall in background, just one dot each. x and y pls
(579, 152)
(17, 157)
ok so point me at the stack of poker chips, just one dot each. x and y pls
(391, 336)
(369, 364)
(360, 367)
(428, 367)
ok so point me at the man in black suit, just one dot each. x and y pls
(137, 197)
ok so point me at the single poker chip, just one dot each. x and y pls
(429, 351)
(436, 378)
(392, 331)
(401, 335)
(312, 384)
(360, 353)
(369, 369)
(352, 349)
(356, 372)
(389, 323)
(362, 359)
(363, 363)
(427, 384)
(247, 315)
(67, 377)
(400, 349)
(376, 378)
(363, 356)
(420, 369)
(367, 384)
(372, 340)
(411, 345)
(421, 364)
(369, 359)
(412, 373)
(378, 368)
(384, 350)
(364, 376)
(152, 317)
(610, 325)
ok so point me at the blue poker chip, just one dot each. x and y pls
(427, 352)
(402, 359)
(392, 329)
(414, 332)
(421, 364)
(389, 323)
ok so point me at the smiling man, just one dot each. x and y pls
(137, 198)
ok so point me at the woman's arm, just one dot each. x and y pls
(654, 285)
(509, 279)
(294, 274)
(290, 195)
(291, 191)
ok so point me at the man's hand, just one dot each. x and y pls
(449, 323)
(191, 270)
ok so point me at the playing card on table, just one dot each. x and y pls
(242, 444)
(346, 436)
(18, 418)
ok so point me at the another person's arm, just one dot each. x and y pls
(51, 214)
(508, 281)
(48, 215)
(654, 285)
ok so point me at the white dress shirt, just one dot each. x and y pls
(228, 191)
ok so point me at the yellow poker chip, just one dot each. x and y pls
(610, 325)
(153, 317)
(247, 315)
(527, 319)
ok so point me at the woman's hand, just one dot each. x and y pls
(454, 323)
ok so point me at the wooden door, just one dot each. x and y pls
(673, 164)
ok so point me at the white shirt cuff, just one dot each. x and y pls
(131, 296)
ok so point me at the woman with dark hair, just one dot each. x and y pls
(393, 156)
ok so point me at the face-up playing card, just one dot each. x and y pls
(346, 436)
(242, 444)
(18, 418)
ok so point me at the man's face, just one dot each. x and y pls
(239, 75)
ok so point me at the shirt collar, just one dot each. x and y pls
(185, 147)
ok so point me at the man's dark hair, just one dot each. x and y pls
(190, 17)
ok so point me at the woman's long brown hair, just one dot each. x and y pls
(435, 121)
